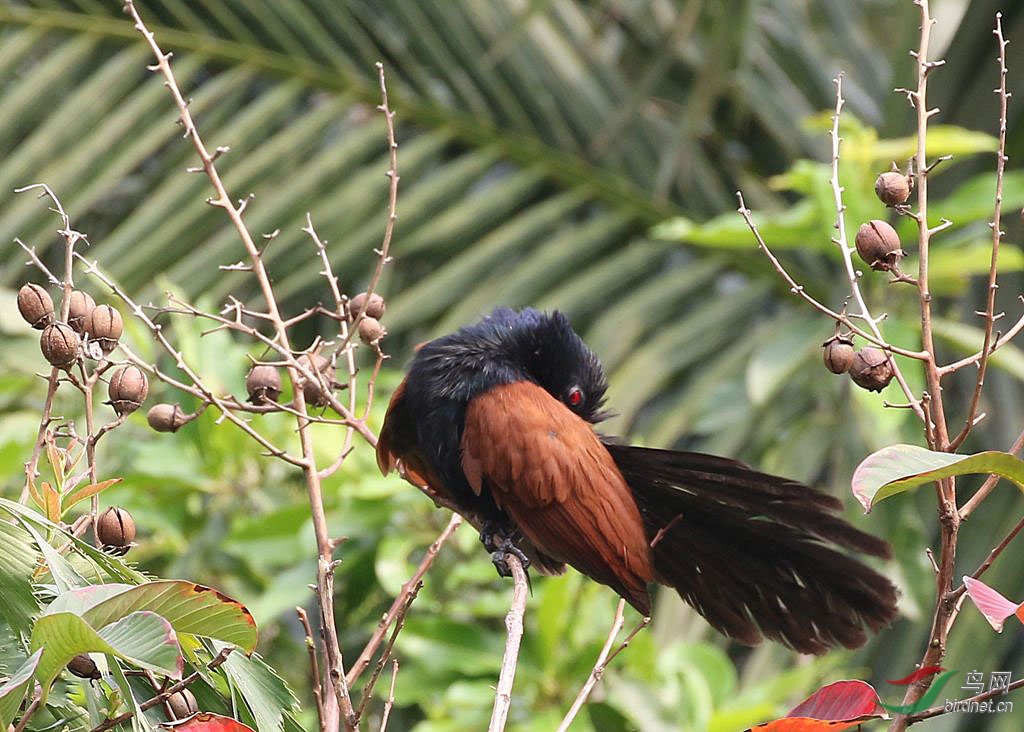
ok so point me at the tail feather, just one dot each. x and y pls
(756, 554)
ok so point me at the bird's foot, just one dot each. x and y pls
(499, 558)
(501, 543)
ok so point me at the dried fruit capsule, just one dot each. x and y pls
(312, 392)
(80, 308)
(115, 527)
(263, 384)
(838, 354)
(374, 306)
(84, 667)
(183, 704)
(128, 389)
(60, 345)
(878, 245)
(871, 369)
(892, 188)
(370, 330)
(105, 327)
(166, 417)
(35, 305)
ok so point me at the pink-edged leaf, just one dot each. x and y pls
(208, 722)
(838, 706)
(898, 468)
(992, 605)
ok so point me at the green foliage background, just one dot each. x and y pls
(540, 142)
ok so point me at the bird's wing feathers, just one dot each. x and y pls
(545, 467)
(396, 450)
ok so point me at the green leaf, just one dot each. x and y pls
(18, 557)
(264, 692)
(64, 575)
(13, 690)
(189, 607)
(143, 639)
(942, 140)
(899, 468)
(794, 227)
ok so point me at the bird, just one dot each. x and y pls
(498, 420)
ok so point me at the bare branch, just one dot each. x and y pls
(514, 625)
(799, 291)
(382, 627)
(597, 672)
(847, 253)
(997, 236)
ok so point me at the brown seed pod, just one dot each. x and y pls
(115, 527)
(892, 188)
(312, 392)
(183, 704)
(871, 369)
(105, 327)
(167, 417)
(35, 305)
(128, 389)
(878, 245)
(263, 384)
(838, 353)
(84, 667)
(80, 308)
(375, 306)
(371, 331)
(60, 345)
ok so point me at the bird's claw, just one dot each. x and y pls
(499, 558)
(501, 543)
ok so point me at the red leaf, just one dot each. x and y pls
(208, 722)
(839, 701)
(838, 706)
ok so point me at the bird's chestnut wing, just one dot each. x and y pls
(546, 468)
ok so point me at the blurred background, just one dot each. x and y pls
(555, 153)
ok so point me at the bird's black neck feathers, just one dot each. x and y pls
(509, 346)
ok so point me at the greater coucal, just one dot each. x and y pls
(496, 420)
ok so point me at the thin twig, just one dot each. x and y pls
(997, 236)
(314, 668)
(334, 662)
(992, 556)
(391, 697)
(514, 626)
(597, 672)
(382, 627)
(847, 251)
(936, 429)
(985, 696)
(204, 392)
(33, 707)
(71, 238)
(799, 291)
(975, 358)
(990, 483)
(167, 693)
(386, 653)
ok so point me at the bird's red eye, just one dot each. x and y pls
(575, 396)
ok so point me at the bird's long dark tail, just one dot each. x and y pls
(756, 554)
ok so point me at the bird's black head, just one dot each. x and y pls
(509, 346)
